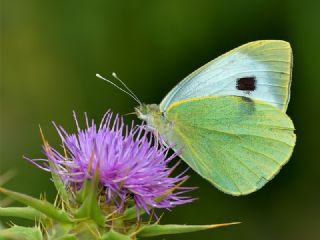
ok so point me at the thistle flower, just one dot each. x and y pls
(104, 175)
(130, 164)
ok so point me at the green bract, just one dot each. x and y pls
(88, 219)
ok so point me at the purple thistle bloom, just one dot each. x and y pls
(130, 163)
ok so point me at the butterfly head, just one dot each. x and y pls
(147, 112)
(155, 119)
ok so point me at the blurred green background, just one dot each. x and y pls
(51, 50)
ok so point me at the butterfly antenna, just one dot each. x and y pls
(126, 87)
(131, 113)
(121, 89)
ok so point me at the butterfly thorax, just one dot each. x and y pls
(154, 118)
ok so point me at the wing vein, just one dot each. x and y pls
(192, 149)
(241, 134)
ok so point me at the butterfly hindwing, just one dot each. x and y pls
(259, 70)
(236, 143)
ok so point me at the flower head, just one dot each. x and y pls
(131, 163)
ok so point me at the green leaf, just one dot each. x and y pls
(5, 177)
(1, 226)
(90, 207)
(59, 184)
(21, 233)
(131, 213)
(157, 230)
(40, 205)
(68, 237)
(55, 177)
(21, 212)
(113, 235)
(61, 230)
(82, 194)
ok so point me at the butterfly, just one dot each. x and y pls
(227, 120)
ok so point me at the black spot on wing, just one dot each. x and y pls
(246, 99)
(247, 106)
(246, 83)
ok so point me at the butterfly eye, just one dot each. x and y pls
(246, 83)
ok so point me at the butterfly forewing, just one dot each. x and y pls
(259, 70)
